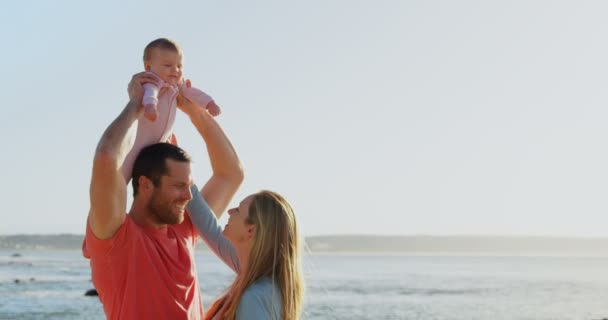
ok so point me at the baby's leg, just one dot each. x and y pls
(173, 139)
(146, 136)
(150, 101)
(149, 132)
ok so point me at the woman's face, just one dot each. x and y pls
(237, 230)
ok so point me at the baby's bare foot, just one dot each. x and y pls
(150, 112)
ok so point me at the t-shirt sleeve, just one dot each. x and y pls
(95, 247)
(205, 222)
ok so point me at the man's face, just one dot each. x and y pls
(166, 64)
(169, 200)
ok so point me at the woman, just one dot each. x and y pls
(260, 243)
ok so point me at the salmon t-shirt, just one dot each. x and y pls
(146, 273)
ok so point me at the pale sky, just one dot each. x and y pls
(371, 117)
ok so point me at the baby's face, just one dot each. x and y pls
(167, 64)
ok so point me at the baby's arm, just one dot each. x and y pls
(213, 108)
(201, 99)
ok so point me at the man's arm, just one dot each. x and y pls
(108, 189)
(227, 170)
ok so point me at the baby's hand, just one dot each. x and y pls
(213, 108)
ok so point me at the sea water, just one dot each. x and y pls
(51, 285)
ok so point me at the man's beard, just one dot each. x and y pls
(161, 210)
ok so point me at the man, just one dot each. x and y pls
(142, 263)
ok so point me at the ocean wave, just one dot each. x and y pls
(394, 288)
(45, 280)
(15, 263)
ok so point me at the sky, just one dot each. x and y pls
(370, 117)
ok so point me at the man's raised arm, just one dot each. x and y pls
(227, 170)
(108, 190)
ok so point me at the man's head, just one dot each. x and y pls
(164, 58)
(161, 178)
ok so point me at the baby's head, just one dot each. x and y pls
(164, 58)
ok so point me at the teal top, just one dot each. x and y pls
(262, 299)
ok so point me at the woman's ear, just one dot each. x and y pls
(250, 231)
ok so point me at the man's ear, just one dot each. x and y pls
(145, 184)
(147, 65)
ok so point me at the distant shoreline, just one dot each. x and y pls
(385, 245)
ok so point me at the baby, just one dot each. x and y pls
(162, 58)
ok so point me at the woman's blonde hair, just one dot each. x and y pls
(275, 254)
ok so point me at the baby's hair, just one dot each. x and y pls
(161, 43)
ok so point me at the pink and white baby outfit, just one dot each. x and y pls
(163, 99)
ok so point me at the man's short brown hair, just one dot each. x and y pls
(151, 162)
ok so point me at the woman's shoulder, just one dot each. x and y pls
(261, 298)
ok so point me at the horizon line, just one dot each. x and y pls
(362, 235)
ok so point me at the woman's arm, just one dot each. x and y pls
(204, 221)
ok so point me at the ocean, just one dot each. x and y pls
(51, 285)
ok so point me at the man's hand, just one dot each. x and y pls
(185, 104)
(136, 89)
